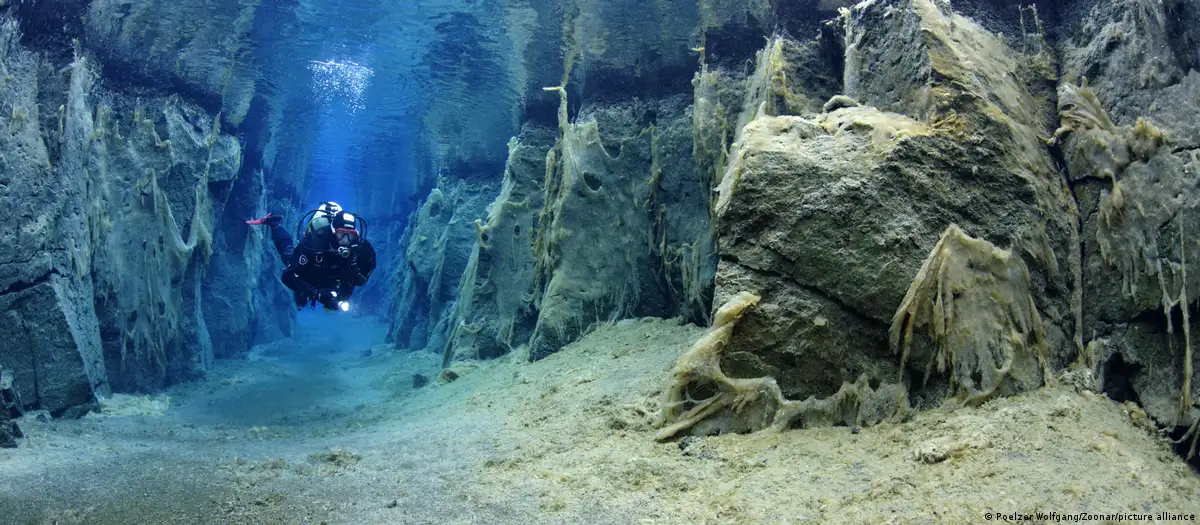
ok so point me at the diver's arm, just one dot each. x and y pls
(291, 278)
(366, 263)
(359, 272)
(344, 290)
(293, 275)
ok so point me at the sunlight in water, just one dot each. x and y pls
(345, 81)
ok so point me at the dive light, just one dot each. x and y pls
(342, 305)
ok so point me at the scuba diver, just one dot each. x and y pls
(333, 255)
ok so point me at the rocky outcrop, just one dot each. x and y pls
(151, 170)
(1125, 51)
(243, 303)
(10, 409)
(605, 249)
(53, 349)
(576, 238)
(830, 218)
(439, 242)
(495, 311)
(117, 196)
(1130, 104)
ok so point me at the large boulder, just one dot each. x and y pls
(53, 349)
(829, 219)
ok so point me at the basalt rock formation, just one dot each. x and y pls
(953, 206)
(128, 266)
(965, 130)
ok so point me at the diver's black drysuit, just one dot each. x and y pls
(316, 267)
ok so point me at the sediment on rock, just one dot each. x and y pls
(843, 207)
(439, 252)
(1134, 182)
(122, 190)
(701, 399)
(974, 300)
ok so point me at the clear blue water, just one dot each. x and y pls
(368, 73)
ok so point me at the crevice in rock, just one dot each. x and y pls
(1182, 446)
(33, 365)
(1180, 15)
(25, 285)
(1084, 220)
(1117, 379)
(1152, 317)
(1117, 383)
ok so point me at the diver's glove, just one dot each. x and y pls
(327, 298)
(269, 219)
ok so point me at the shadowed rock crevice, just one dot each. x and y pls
(21, 286)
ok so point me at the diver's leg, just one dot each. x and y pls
(282, 239)
(283, 242)
(301, 300)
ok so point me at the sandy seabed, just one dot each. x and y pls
(328, 428)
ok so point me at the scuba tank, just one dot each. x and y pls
(320, 221)
(317, 221)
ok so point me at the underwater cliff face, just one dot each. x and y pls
(54, 353)
(121, 192)
(830, 210)
(1130, 137)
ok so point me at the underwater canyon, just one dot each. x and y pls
(766, 261)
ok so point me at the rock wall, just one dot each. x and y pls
(53, 351)
(618, 225)
(200, 48)
(903, 138)
(603, 219)
(1130, 103)
(151, 220)
(438, 244)
(129, 267)
(495, 312)
(624, 231)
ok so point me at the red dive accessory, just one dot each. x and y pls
(269, 218)
(350, 233)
